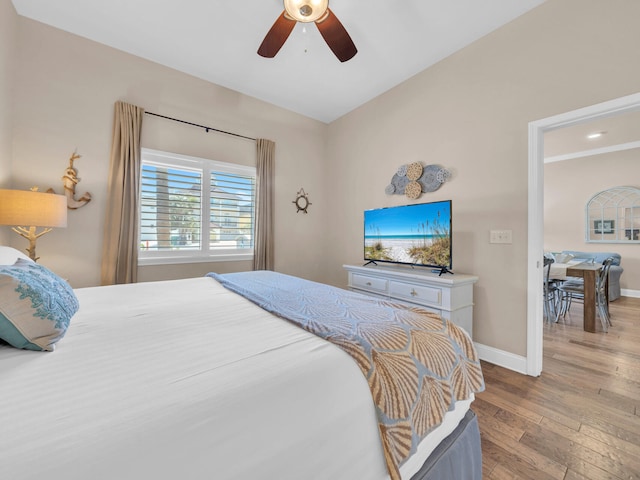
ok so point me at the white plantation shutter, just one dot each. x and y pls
(195, 209)
(171, 208)
(232, 210)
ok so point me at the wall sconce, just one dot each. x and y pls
(32, 209)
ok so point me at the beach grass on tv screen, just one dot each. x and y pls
(409, 239)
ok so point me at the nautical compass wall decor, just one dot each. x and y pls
(302, 201)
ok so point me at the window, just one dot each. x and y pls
(193, 209)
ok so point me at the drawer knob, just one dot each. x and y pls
(368, 284)
(413, 292)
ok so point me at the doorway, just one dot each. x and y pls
(537, 130)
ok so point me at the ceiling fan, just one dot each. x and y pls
(307, 11)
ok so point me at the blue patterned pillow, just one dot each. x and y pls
(35, 306)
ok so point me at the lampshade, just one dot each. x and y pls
(306, 10)
(32, 209)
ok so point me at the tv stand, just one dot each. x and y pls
(441, 270)
(370, 262)
(449, 296)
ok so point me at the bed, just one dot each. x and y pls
(187, 379)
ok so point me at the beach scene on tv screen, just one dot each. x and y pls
(417, 234)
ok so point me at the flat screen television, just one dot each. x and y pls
(418, 234)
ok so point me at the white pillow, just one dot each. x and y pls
(563, 257)
(8, 255)
(36, 306)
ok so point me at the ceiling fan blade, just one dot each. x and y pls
(276, 36)
(336, 37)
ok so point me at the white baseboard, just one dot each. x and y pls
(517, 363)
(630, 293)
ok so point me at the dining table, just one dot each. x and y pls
(589, 271)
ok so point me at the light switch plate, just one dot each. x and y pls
(500, 236)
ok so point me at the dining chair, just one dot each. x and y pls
(550, 292)
(573, 289)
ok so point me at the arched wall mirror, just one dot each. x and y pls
(613, 216)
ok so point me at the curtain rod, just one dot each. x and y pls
(200, 126)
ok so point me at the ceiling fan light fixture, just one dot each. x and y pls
(306, 11)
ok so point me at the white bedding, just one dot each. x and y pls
(186, 380)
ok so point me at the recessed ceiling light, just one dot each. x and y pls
(594, 135)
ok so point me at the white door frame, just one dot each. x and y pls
(537, 130)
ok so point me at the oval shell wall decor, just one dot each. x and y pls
(412, 180)
(413, 190)
(414, 171)
(399, 183)
(429, 179)
(443, 175)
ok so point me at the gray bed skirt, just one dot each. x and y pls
(458, 457)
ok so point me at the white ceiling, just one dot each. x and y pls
(217, 40)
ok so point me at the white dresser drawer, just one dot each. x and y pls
(416, 293)
(372, 284)
(451, 296)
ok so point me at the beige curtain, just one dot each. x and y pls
(120, 241)
(265, 167)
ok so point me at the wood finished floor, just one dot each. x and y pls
(581, 418)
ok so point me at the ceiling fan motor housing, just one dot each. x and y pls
(306, 10)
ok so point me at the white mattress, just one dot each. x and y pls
(186, 380)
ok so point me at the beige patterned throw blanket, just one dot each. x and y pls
(417, 364)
